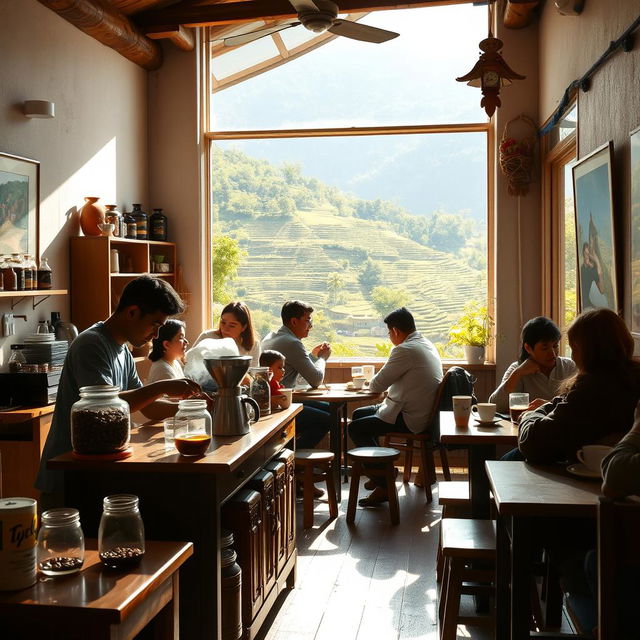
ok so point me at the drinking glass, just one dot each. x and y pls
(518, 403)
(357, 372)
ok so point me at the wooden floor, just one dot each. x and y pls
(372, 581)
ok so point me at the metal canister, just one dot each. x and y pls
(18, 523)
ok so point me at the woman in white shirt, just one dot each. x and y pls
(167, 352)
(235, 322)
(539, 371)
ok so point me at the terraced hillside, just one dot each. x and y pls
(293, 258)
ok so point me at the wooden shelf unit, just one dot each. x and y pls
(95, 291)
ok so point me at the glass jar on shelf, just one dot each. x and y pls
(130, 226)
(30, 273)
(9, 281)
(192, 427)
(121, 532)
(158, 226)
(142, 222)
(114, 217)
(16, 359)
(60, 542)
(100, 422)
(260, 390)
(17, 263)
(45, 279)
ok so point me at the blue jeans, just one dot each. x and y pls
(312, 424)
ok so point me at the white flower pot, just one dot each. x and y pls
(473, 355)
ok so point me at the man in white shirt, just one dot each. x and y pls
(412, 376)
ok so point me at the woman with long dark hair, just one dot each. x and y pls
(235, 322)
(539, 371)
(598, 401)
(167, 352)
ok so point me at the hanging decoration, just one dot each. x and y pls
(516, 157)
(491, 71)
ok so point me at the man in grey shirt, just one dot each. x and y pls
(313, 423)
(99, 355)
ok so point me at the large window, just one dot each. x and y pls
(355, 178)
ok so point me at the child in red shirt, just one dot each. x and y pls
(275, 361)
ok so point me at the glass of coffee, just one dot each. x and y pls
(518, 403)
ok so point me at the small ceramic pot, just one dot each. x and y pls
(473, 355)
(91, 215)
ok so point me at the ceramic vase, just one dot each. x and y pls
(473, 355)
(91, 215)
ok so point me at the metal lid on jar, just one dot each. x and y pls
(192, 404)
(16, 504)
(100, 389)
(258, 369)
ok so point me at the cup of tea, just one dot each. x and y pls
(284, 399)
(591, 456)
(518, 403)
(461, 410)
(485, 411)
(190, 437)
(358, 383)
(369, 371)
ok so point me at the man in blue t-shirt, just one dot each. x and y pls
(100, 355)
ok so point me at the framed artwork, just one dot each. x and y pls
(19, 205)
(593, 202)
(635, 231)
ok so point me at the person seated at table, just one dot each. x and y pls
(539, 371)
(598, 401)
(412, 375)
(276, 363)
(621, 467)
(167, 352)
(235, 322)
(99, 356)
(313, 422)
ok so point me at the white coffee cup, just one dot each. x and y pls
(369, 371)
(591, 456)
(284, 401)
(358, 383)
(461, 410)
(485, 411)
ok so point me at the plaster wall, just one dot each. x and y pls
(96, 145)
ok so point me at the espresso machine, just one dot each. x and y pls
(231, 412)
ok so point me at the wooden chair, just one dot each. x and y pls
(423, 441)
(454, 499)
(383, 456)
(464, 541)
(618, 568)
(313, 465)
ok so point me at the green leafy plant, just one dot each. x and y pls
(474, 327)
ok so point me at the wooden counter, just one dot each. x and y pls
(23, 433)
(181, 499)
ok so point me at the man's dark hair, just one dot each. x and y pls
(538, 330)
(269, 357)
(150, 295)
(401, 319)
(294, 309)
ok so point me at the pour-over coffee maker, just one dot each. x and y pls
(231, 411)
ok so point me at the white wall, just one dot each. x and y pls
(96, 145)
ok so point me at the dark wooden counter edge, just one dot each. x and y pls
(13, 416)
(150, 454)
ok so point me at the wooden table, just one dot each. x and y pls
(481, 441)
(528, 498)
(99, 603)
(181, 498)
(338, 396)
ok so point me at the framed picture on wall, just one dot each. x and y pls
(595, 238)
(635, 231)
(19, 205)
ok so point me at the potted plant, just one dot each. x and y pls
(473, 332)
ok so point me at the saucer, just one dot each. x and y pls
(581, 470)
(487, 423)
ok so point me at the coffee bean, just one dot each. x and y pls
(99, 431)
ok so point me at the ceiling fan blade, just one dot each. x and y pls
(363, 32)
(303, 5)
(245, 38)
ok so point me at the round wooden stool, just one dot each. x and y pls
(313, 465)
(384, 456)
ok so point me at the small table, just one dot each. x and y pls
(99, 603)
(338, 396)
(524, 494)
(481, 441)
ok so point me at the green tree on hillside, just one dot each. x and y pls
(370, 274)
(227, 257)
(386, 299)
(446, 232)
(334, 285)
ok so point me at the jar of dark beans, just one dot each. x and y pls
(100, 421)
(260, 390)
(121, 532)
(60, 542)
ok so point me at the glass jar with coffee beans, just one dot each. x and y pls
(100, 421)
(60, 549)
(121, 532)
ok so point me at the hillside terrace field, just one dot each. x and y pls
(293, 257)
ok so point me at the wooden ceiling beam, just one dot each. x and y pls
(201, 13)
(181, 37)
(109, 27)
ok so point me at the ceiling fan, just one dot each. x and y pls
(318, 16)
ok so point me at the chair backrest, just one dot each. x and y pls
(457, 381)
(618, 569)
